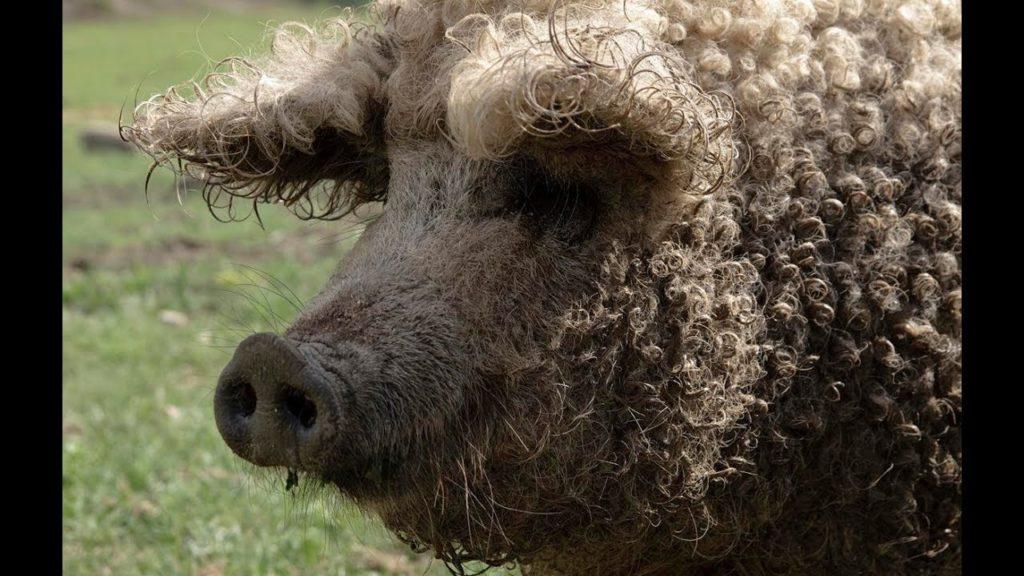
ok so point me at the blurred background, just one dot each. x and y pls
(156, 293)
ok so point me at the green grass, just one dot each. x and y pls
(149, 487)
(106, 62)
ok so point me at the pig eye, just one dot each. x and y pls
(550, 206)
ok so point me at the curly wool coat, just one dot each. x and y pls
(765, 375)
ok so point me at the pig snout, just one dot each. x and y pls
(274, 406)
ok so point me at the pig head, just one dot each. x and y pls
(542, 342)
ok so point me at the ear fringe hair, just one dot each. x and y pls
(271, 130)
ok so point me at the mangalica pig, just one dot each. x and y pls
(657, 286)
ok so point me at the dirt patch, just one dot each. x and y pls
(303, 245)
(214, 569)
(392, 563)
(104, 139)
(71, 430)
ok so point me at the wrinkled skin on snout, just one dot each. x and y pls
(453, 288)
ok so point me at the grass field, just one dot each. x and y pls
(155, 294)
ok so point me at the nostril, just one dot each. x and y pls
(300, 406)
(241, 398)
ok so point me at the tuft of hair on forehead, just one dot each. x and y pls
(271, 130)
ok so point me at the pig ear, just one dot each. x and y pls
(271, 130)
(575, 80)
